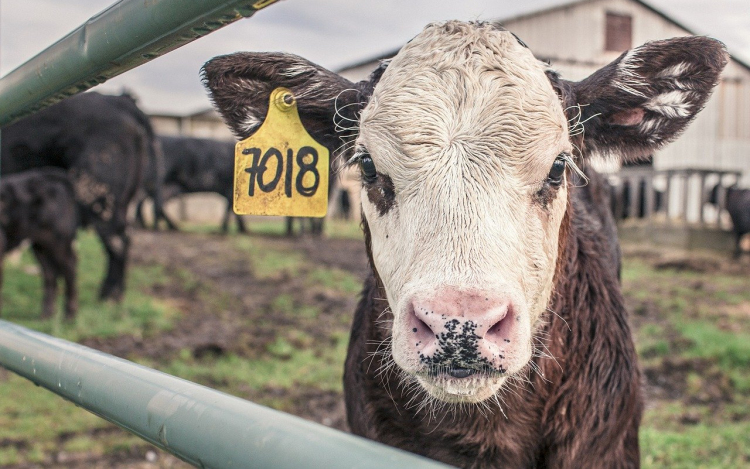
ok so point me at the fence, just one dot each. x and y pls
(687, 196)
(199, 425)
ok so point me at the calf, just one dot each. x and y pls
(103, 142)
(738, 206)
(39, 206)
(193, 165)
(491, 331)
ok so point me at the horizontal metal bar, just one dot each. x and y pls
(125, 35)
(202, 426)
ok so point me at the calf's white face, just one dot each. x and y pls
(463, 143)
(463, 130)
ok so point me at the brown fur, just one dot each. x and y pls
(552, 422)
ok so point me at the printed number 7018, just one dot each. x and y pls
(260, 165)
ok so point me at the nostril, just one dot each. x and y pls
(420, 331)
(495, 330)
(420, 326)
(501, 329)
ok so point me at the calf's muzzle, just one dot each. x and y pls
(460, 333)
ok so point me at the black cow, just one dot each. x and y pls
(39, 205)
(103, 142)
(621, 201)
(738, 206)
(192, 165)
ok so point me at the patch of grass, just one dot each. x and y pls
(699, 446)
(35, 419)
(269, 263)
(693, 317)
(730, 349)
(286, 304)
(137, 314)
(268, 226)
(343, 229)
(287, 366)
(338, 280)
(651, 341)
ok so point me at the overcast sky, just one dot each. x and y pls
(333, 33)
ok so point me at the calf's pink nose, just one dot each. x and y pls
(454, 328)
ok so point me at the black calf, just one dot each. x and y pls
(39, 205)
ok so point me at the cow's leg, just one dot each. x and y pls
(160, 214)
(116, 243)
(289, 226)
(163, 195)
(139, 221)
(240, 223)
(68, 265)
(317, 226)
(225, 220)
(2, 257)
(49, 279)
(737, 246)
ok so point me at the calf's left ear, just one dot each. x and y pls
(240, 85)
(645, 98)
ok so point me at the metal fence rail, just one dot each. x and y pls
(202, 426)
(127, 34)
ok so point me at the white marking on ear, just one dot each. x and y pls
(628, 79)
(650, 126)
(250, 123)
(297, 70)
(675, 71)
(672, 105)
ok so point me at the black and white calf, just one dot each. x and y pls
(492, 330)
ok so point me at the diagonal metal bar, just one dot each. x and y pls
(124, 36)
(202, 426)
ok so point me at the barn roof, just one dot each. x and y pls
(563, 5)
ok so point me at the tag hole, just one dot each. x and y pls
(288, 99)
(246, 151)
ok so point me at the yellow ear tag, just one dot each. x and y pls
(281, 169)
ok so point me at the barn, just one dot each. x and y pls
(579, 37)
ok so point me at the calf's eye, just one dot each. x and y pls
(556, 173)
(367, 166)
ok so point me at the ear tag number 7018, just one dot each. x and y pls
(281, 169)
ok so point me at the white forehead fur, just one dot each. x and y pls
(471, 86)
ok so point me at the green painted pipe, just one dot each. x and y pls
(201, 426)
(125, 35)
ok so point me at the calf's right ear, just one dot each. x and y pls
(240, 85)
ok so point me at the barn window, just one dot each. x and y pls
(619, 33)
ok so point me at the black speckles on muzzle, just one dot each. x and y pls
(458, 351)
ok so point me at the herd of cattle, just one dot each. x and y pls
(81, 163)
